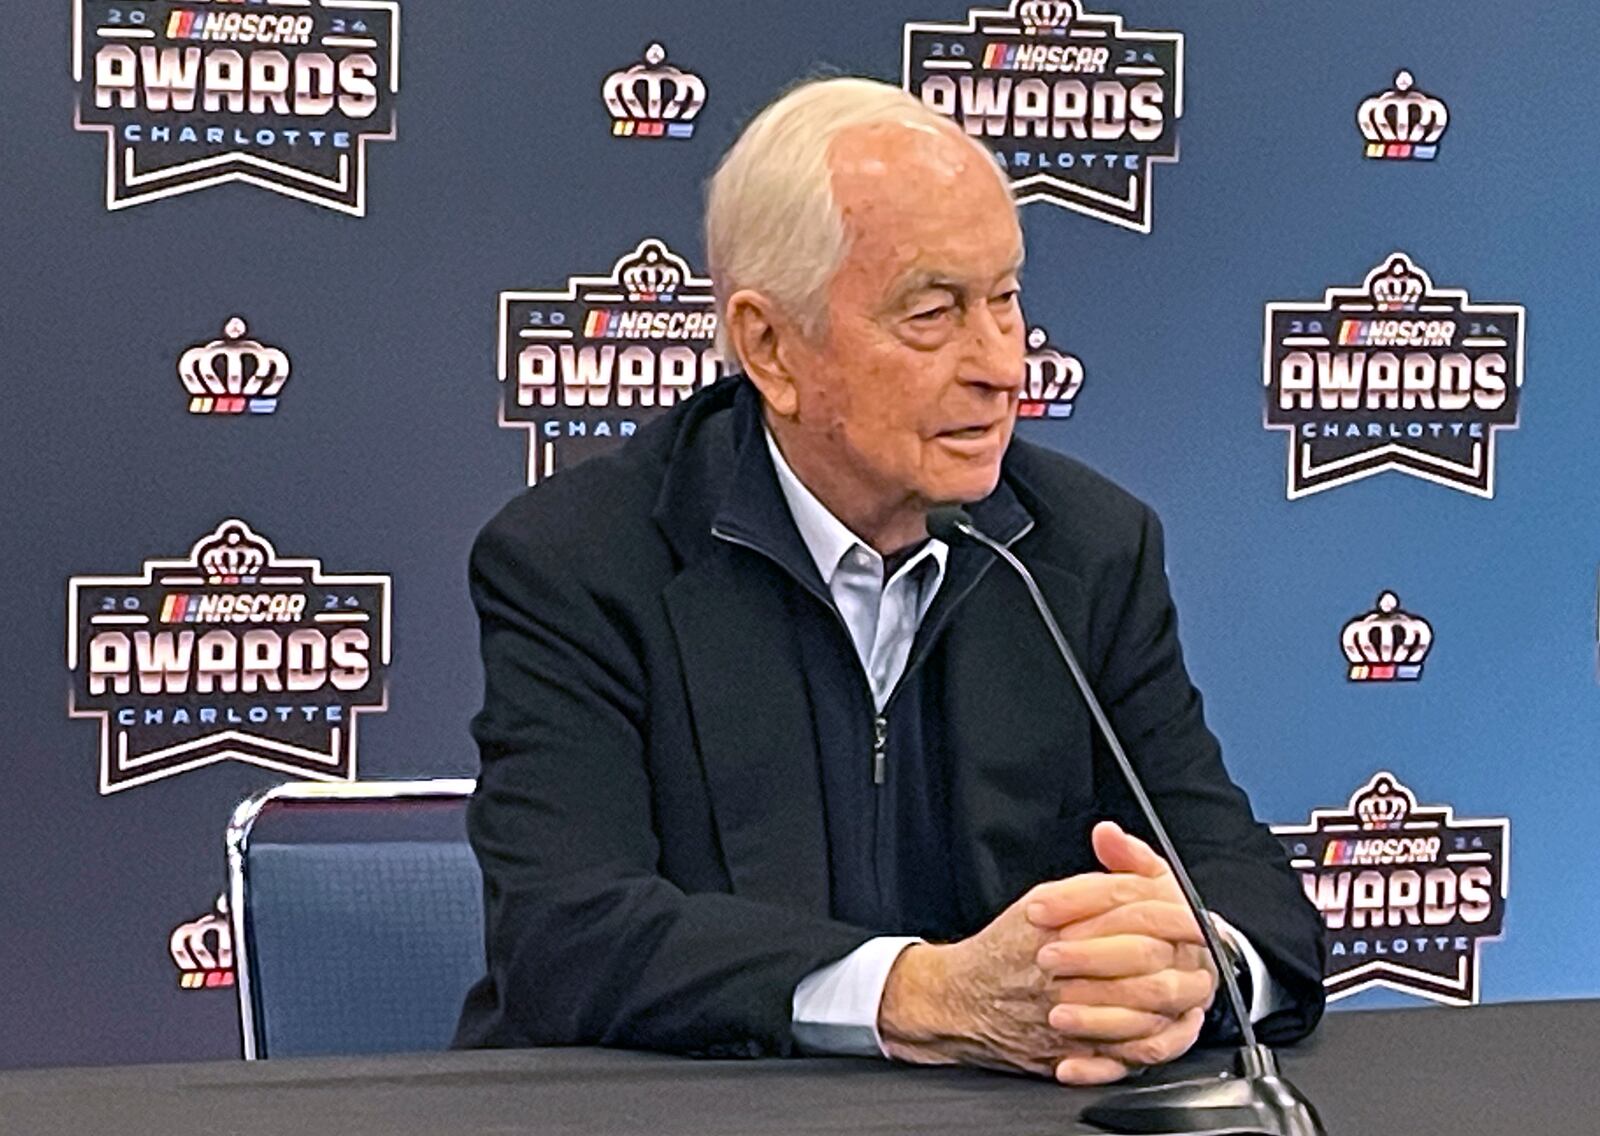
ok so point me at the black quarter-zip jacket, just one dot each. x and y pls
(885, 786)
(686, 803)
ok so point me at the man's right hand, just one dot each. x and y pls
(983, 1001)
(1082, 979)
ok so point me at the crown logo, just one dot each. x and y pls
(653, 99)
(1051, 379)
(1383, 804)
(1403, 123)
(233, 554)
(1398, 286)
(1045, 17)
(651, 272)
(233, 374)
(202, 950)
(1387, 643)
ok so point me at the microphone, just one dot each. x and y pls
(1258, 1101)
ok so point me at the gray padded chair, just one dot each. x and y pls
(357, 914)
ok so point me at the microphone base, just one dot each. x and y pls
(1257, 1101)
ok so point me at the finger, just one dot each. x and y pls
(1193, 960)
(1191, 957)
(1159, 1048)
(1157, 918)
(1171, 993)
(1115, 956)
(1120, 851)
(1059, 902)
(1106, 1023)
(1090, 1071)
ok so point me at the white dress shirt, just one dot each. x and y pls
(835, 1008)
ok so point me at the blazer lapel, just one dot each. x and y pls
(752, 719)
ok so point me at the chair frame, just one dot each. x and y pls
(240, 826)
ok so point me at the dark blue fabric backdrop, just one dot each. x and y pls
(384, 454)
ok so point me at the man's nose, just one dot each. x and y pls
(994, 351)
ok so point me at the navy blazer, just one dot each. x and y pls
(648, 815)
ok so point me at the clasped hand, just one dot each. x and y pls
(1083, 979)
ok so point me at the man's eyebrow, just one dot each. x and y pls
(925, 279)
(921, 280)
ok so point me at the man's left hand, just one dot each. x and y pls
(1131, 972)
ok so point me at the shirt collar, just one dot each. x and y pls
(751, 510)
(827, 538)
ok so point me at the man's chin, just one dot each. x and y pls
(967, 488)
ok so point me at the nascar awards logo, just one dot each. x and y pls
(653, 99)
(1396, 373)
(1051, 379)
(231, 652)
(233, 374)
(1386, 644)
(1077, 108)
(586, 365)
(1408, 893)
(202, 950)
(281, 94)
(1403, 124)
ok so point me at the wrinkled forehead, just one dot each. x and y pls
(919, 198)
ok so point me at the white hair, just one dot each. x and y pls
(772, 224)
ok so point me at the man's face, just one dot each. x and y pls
(909, 398)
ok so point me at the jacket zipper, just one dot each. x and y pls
(880, 719)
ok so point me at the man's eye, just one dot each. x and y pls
(927, 315)
(1005, 297)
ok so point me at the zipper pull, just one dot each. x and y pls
(880, 746)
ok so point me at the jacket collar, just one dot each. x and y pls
(720, 480)
(829, 540)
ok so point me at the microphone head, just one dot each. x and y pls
(945, 521)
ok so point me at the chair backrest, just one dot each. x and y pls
(357, 914)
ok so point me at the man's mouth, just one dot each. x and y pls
(967, 433)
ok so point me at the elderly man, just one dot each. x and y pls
(766, 770)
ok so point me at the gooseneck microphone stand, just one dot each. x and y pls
(1257, 1100)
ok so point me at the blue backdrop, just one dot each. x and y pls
(384, 453)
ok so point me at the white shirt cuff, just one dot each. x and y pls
(1266, 995)
(835, 1009)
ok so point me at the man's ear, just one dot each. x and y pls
(757, 332)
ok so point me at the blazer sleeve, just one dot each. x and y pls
(586, 942)
(1238, 865)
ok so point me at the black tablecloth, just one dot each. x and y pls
(1530, 1070)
